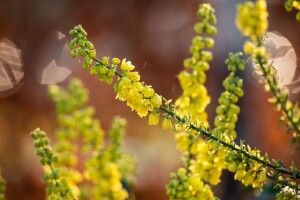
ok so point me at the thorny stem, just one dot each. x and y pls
(277, 95)
(226, 144)
(240, 150)
(211, 136)
(99, 61)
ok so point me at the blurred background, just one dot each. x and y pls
(155, 35)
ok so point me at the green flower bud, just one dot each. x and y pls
(209, 42)
(81, 42)
(212, 19)
(241, 66)
(78, 28)
(89, 45)
(92, 54)
(115, 61)
(239, 83)
(45, 178)
(207, 56)
(82, 52)
(72, 32)
(187, 63)
(231, 68)
(39, 152)
(211, 30)
(43, 161)
(73, 43)
(181, 172)
(54, 159)
(198, 28)
(93, 70)
(103, 70)
(105, 60)
(110, 73)
(288, 6)
(87, 62)
(298, 16)
(55, 174)
(79, 36)
(74, 53)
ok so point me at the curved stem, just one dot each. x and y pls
(233, 147)
(276, 93)
(224, 143)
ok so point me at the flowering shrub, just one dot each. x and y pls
(105, 175)
(206, 151)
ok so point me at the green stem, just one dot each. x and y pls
(220, 141)
(277, 95)
(233, 147)
(99, 61)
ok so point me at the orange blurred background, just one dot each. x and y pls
(155, 35)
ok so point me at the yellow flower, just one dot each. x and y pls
(296, 4)
(133, 76)
(239, 175)
(167, 124)
(249, 47)
(248, 179)
(182, 141)
(252, 18)
(148, 92)
(260, 51)
(153, 119)
(126, 66)
(156, 100)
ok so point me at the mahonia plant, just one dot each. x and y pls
(254, 24)
(193, 102)
(205, 151)
(108, 172)
(58, 186)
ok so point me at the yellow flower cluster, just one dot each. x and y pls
(106, 177)
(259, 54)
(248, 171)
(203, 161)
(252, 18)
(59, 187)
(194, 99)
(208, 163)
(197, 157)
(287, 195)
(105, 166)
(110, 167)
(186, 186)
(227, 110)
(139, 97)
(296, 4)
